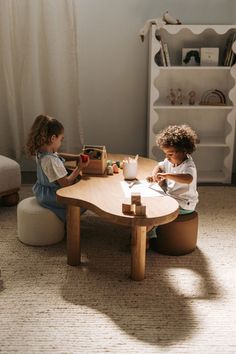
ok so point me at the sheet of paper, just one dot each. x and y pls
(143, 187)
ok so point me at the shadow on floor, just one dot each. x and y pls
(155, 310)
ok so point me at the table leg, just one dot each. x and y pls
(138, 252)
(73, 235)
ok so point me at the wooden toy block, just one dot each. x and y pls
(128, 208)
(140, 210)
(134, 207)
(136, 198)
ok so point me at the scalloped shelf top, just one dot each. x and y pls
(197, 29)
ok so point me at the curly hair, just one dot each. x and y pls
(181, 137)
(43, 128)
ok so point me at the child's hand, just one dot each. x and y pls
(153, 178)
(75, 173)
(84, 157)
(160, 177)
(157, 169)
(83, 161)
(150, 179)
(69, 180)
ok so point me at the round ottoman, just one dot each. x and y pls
(38, 226)
(10, 181)
(178, 237)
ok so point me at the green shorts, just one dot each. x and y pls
(185, 211)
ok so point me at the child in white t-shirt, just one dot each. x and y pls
(177, 171)
(45, 138)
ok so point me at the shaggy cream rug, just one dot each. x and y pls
(185, 305)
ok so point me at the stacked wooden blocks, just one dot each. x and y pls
(135, 207)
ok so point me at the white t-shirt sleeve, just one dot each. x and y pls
(190, 169)
(53, 168)
(162, 165)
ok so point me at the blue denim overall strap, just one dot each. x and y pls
(45, 191)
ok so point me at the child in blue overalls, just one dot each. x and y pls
(45, 138)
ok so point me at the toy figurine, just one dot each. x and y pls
(192, 97)
(179, 96)
(172, 96)
(109, 170)
(115, 168)
(176, 96)
(159, 22)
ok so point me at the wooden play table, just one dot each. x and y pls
(104, 196)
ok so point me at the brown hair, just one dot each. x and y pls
(181, 137)
(43, 128)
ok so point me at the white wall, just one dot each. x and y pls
(113, 64)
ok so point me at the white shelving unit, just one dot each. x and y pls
(215, 125)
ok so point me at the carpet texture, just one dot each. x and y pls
(185, 305)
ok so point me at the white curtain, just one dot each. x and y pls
(38, 70)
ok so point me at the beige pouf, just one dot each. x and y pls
(178, 237)
(10, 181)
(38, 226)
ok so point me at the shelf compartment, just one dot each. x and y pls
(213, 125)
(194, 37)
(211, 177)
(212, 141)
(192, 80)
(206, 161)
(194, 107)
(196, 68)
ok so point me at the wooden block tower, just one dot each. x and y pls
(135, 207)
